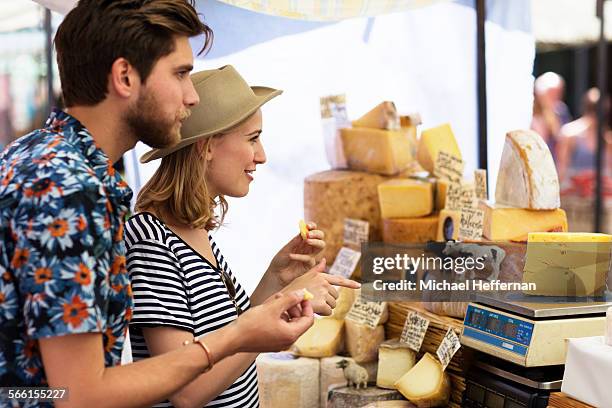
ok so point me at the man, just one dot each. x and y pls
(65, 298)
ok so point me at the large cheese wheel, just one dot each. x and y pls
(287, 381)
(331, 196)
(426, 384)
(394, 360)
(389, 404)
(323, 339)
(346, 397)
(410, 230)
(362, 342)
(333, 377)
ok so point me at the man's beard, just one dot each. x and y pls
(146, 122)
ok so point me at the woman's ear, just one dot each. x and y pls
(206, 148)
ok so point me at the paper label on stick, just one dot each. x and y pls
(345, 263)
(366, 313)
(414, 331)
(468, 196)
(472, 224)
(480, 182)
(448, 167)
(447, 349)
(355, 232)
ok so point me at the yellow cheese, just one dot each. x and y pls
(413, 119)
(383, 116)
(386, 152)
(394, 360)
(567, 264)
(433, 141)
(426, 384)
(303, 229)
(441, 190)
(283, 377)
(308, 295)
(346, 297)
(513, 224)
(448, 225)
(332, 196)
(362, 342)
(527, 175)
(405, 198)
(323, 339)
(410, 230)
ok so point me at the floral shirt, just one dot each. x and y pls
(62, 256)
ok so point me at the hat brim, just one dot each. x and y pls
(262, 95)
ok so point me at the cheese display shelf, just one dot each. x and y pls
(560, 400)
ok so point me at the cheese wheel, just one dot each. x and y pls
(351, 398)
(389, 404)
(432, 142)
(287, 381)
(410, 230)
(448, 225)
(333, 377)
(426, 384)
(332, 196)
(323, 339)
(405, 198)
(362, 342)
(394, 360)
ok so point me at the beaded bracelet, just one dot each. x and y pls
(206, 350)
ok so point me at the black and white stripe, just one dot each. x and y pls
(175, 286)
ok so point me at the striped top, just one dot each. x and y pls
(174, 285)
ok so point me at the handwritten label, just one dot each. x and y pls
(472, 224)
(480, 182)
(447, 349)
(355, 232)
(334, 106)
(448, 167)
(414, 331)
(345, 263)
(468, 196)
(366, 313)
(453, 197)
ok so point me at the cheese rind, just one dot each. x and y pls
(426, 384)
(440, 193)
(362, 342)
(394, 360)
(448, 225)
(386, 152)
(434, 140)
(323, 339)
(405, 198)
(513, 224)
(346, 297)
(410, 230)
(527, 175)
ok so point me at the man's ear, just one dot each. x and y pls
(124, 80)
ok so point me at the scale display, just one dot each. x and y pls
(513, 329)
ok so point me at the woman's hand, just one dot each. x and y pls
(320, 284)
(298, 256)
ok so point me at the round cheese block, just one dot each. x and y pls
(346, 397)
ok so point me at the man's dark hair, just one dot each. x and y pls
(97, 32)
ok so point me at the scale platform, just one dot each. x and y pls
(530, 330)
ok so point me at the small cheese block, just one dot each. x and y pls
(383, 116)
(303, 229)
(426, 384)
(323, 339)
(346, 297)
(333, 377)
(346, 397)
(410, 230)
(332, 196)
(513, 224)
(386, 152)
(567, 264)
(394, 360)
(287, 381)
(405, 198)
(362, 342)
(527, 175)
(440, 193)
(434, 140)
(448, 225)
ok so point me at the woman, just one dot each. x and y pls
(182, 284)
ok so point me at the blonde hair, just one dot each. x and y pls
(178, 187)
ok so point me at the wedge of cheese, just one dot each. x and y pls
(513, 224)
(386, 152)
(394, 360)
(410, 230)
(567, 264)
(383, 116)
(426, 384)
(362, 342)
(527, 175)
(323, 339)
(405, 198)
(433, 141)
(448, 225)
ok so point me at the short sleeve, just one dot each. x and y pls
(160, 296)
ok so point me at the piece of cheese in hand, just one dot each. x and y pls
(527, 175)
(410, 230)
(426, 384)
(434, 140)
(394, 360)
(362, 342)
(303, 229)
(405, 198)
(308, 295)
(323, 339)
(346, 297)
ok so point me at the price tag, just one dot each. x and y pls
(472, 224)
(334, 106)
(448, 167)
(345, 263)
(355, 232)
(366, 313)
(468, 196)
(480, 182)
(447, 349)
(414, 331)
